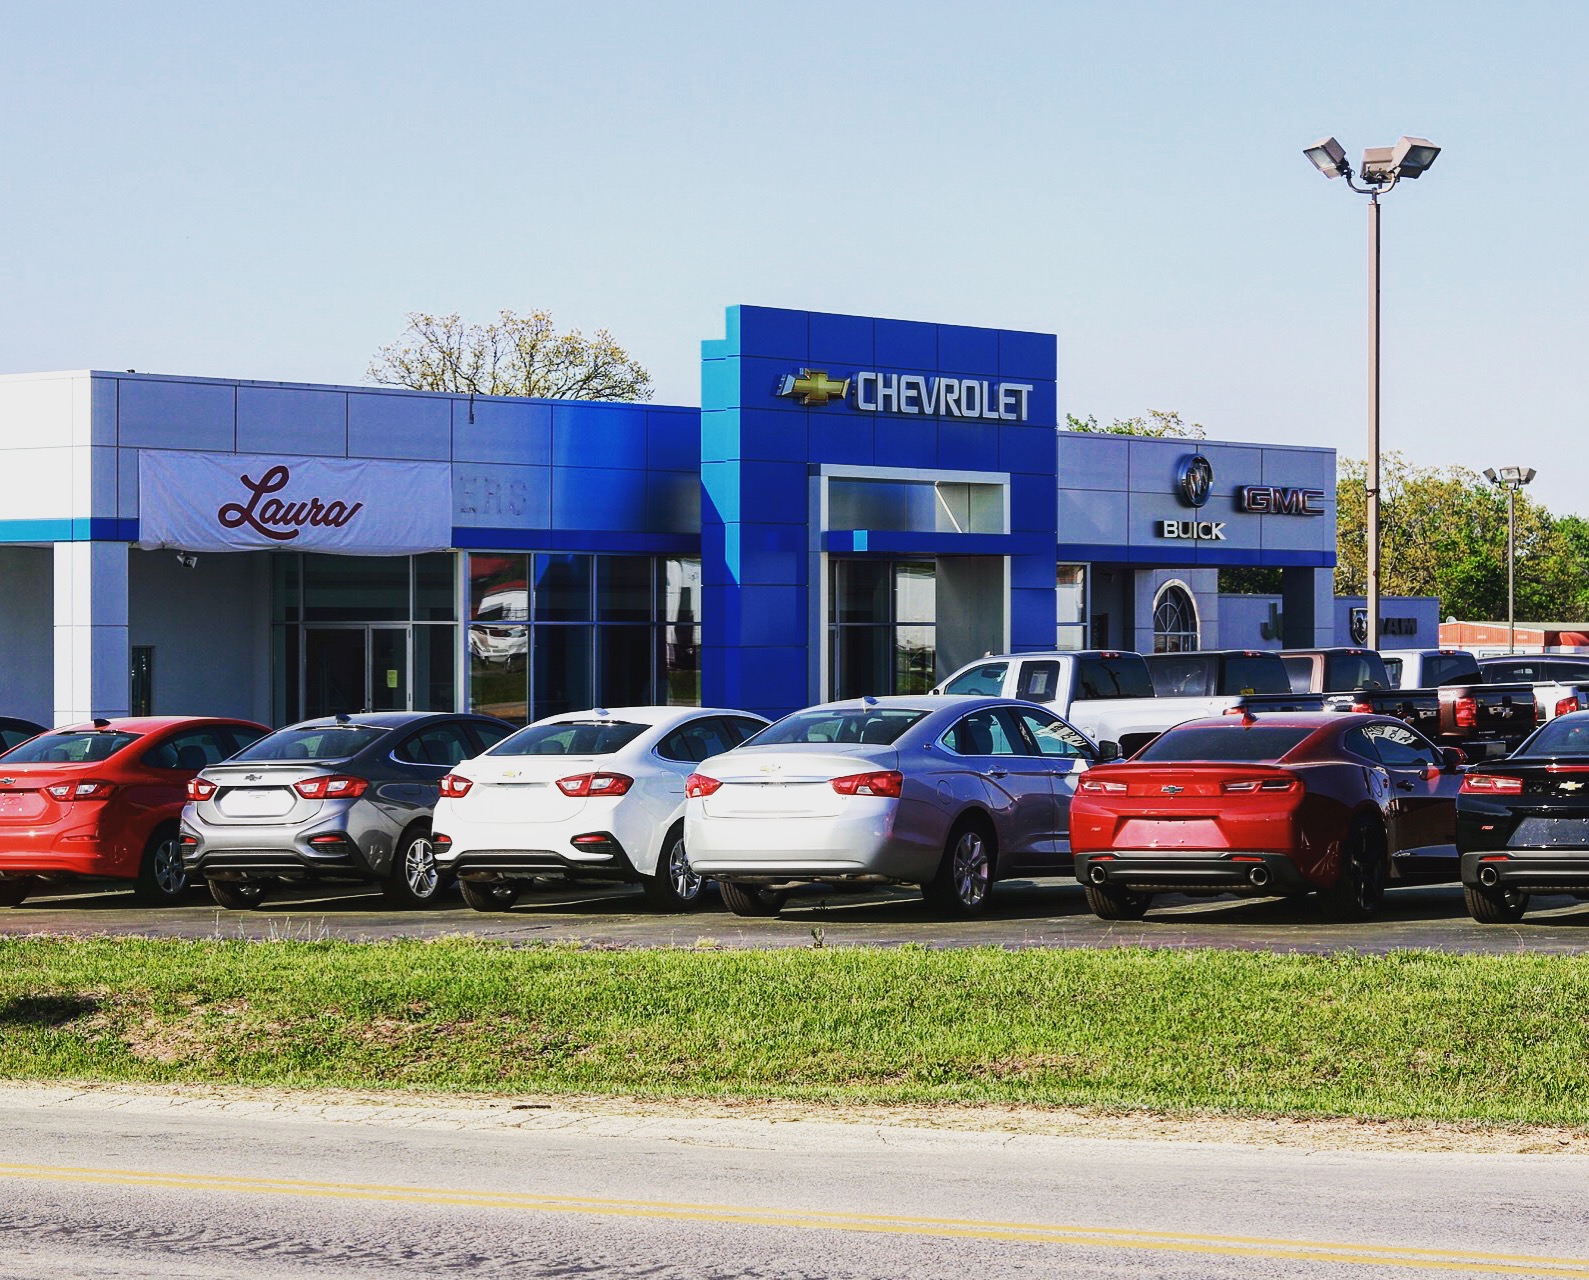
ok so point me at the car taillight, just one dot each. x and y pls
(1491, 784)
(87, 789)
(595, 784)
(887, 782)
(1102, 784)
(1363, 707)
(1260, 784)
(201, 788)
(331, 786)
(698, 785)
(1567, 706)
(452, 786)
(1467, 711)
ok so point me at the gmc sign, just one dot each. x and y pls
(1272, 501)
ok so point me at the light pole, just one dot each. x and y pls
(1511, 479)
(1382, 169)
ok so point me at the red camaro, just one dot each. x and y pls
(104, 800)
(1278, 804)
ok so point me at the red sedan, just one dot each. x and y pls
(103, 800)
(1331, 804)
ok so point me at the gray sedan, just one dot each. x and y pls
(951, 793)
(338, 798)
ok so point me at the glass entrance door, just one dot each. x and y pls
(354, 668)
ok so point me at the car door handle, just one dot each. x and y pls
(1404, 786)
(998, 773)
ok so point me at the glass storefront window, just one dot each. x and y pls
(560, 678)
(883, 634)
(915, 659)
(434, 594)
(679, 589)
(562, 588)
(498, 589)
(623, 661)
(915, 593)
(435, 668)
(355, 588)
(921, 506)
(861, 590)
(680, 665)
(499, 678)
(1070, 606)
(623, 589)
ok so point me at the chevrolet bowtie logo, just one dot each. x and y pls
(813, 387)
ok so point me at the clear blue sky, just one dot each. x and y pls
(263, 191)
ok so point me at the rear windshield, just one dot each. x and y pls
(1123, 676)
(314, 742)
(1236, 744)
(570, 738)
(1346, 671)
(877, 725)
(70, 748)
(1563, 736)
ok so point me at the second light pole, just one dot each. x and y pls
(1511, 479)
(1382, 169)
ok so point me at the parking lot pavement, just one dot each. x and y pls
(1025, 914)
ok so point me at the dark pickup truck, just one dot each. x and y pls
(1483, 720)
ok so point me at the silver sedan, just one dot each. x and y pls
(951, 793)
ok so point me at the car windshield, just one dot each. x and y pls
(879, 726)
(313, 742)
(1563, 736)
(82, 747)
(570, 738)
(1233, 744)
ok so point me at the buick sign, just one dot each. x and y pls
(1195, 480)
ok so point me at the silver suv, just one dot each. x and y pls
(338, 798)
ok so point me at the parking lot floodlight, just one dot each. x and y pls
(1411, 156)
(1378, 165)
(1328, 157)
(1489, 474)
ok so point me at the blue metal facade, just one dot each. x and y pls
(759, 450)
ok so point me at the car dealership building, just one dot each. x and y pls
(858, 506)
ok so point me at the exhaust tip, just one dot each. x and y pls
(1258, 877)
(1489, 877)
(1097, 874)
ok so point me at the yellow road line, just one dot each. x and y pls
(829, 1220)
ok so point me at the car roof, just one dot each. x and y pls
(385, 719)
(1290, 720)
(149, 724)
(654, 715)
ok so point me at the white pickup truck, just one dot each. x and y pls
(1114, 696)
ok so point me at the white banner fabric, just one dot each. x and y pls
(253, 502)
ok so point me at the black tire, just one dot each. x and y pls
(674, 887)
(1360, 887)
(964, 882)
(752, 900)
(1116, 902)
(489, 895)
(162, 879)
(1494, 905)
(237, 895)
(414, 880)
(14, 891)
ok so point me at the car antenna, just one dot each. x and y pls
(869, 700)
(343, 718)
(600, 711)
(101, 723)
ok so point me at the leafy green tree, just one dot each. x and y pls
(514, 355)
(1157, 422)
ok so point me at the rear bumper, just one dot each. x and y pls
(607, 860)
(53, 854)
(784, 850)
(350, 847)
(1154, 871)
(1532, 871)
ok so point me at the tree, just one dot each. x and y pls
(515, 355)
(1158, 422)
(1443, 534)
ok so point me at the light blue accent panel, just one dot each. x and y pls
(157, 414)
(844, 342)
(968, 351)
(598, 435)
(598, 498)
(399, 426)
(719, 435)
(720, 489)
(517, 431)
(1089, 461)
(292, 420)
(501, 496)
(1094, 516)
(719, 384)
(673, 502)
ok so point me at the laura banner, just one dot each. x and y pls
(252, 502)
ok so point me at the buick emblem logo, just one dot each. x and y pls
(1195, 479)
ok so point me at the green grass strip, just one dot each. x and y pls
(1411, 1035)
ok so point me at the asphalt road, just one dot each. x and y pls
(111, 1185)
(1025, 914)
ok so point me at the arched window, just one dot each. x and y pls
(1174, 620)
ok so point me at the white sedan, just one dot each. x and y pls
(596, 794)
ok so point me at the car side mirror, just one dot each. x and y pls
(1108, 751)
(1453, 758)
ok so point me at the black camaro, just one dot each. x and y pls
(1523, 822)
